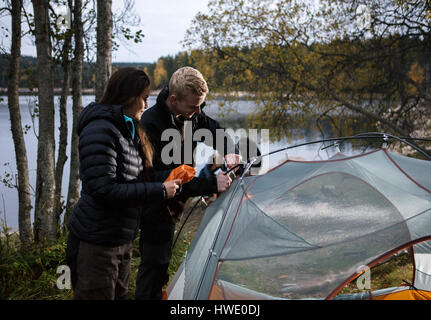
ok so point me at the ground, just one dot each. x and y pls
(185, 238)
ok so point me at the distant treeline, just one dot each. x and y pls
(159, 71)
(224, 73)
(29, 79)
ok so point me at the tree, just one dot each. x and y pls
(62, 51)
(160, 75)
(77, 66)
(24, 209)
(54, 49)
(104, 45)
(45, 226)
(400, 32)
(296, 57)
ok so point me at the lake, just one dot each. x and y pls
(9, 197)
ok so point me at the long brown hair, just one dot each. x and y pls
(123, 88)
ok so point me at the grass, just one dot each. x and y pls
(391, 273)
(30, 272)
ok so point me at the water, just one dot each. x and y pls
(9, 196)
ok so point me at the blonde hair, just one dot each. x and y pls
(185, 80)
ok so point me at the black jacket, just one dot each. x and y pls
(159, 118)
(112, 174)
(156, 223)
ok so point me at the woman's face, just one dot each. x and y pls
(137, 109)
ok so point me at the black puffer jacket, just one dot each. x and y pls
(159, 118)
(111, 170)
(156, 223)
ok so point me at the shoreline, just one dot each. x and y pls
(91, 92)
(57, 92)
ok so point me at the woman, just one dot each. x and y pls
(115, 170)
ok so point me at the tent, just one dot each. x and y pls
(305, 229)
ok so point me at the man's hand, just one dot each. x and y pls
(171, 187)
(223, 182)
(232, 160)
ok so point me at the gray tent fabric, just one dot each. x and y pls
(303, 229)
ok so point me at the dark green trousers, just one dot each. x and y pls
(99, 272)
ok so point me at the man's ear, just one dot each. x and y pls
(173, 99)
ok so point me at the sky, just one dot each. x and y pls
(163, 22)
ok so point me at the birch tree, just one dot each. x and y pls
(23, 187)
(77, 64)
(62, 48)
(45, 226)
(104, 45)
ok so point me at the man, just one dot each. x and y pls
(179, 105)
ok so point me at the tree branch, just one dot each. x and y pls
(5, 9)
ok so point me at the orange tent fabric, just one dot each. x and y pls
(183, 172)
(405, 295)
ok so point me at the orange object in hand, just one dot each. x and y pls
(183, 172)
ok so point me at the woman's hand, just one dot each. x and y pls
(171, 187)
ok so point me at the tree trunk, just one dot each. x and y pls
(24, 200)
(44, 220)
(62, 156)
(74, 182)
(428, 66)
(104, 45)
